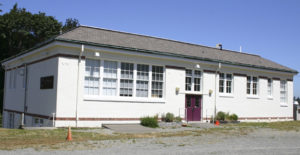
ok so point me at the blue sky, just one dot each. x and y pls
(269, 28)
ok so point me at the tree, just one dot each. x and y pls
(70, 24)
(21, 30)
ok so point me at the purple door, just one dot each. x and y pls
(193, 107)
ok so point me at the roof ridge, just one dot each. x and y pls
(225, 50)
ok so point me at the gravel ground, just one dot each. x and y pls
(260, 141)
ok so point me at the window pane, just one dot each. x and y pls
(221, 86)
(197, 84)
(188, 83)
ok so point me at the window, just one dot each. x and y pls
(270, 87)
(225, 83)
(157, 81)
(252, 85)
(126, 82)
(92, 76)
(188, 79)
(37, 122)
(192, 81)
(13, 79)
(283, 91)
(142, 80)
(46, 82)
(110, 78)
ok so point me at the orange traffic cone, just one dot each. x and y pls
(217, 123)
(69, 137)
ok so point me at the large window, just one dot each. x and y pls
(283, 92)
(142, 80)
(92, 75)
(270, 87)
(252, 85)
(157, 81)
(110, 71)
(192, 80)
(112, 78)
(225, 83)
(126, 82)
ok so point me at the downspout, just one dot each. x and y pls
(25, 96)
(215, 105)
(78, 76)
(3, 101)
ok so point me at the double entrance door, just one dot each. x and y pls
(193, 107)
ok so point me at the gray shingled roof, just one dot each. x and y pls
(147, 43)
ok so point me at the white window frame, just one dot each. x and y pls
(162, 81)
(142, 80)
(88, 86)
(134, 97)
(127, 80)
(270, 87)
(284, 90)
(117, 79)
(251, 86)
(225, 86)
(193, 77)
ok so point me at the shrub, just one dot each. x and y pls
(149, 121)
(169, 117)
(234, 117)
(178, 119)
(220, 116)
(228, 117)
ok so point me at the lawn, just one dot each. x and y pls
(54, 139)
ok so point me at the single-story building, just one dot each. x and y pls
(90, 76)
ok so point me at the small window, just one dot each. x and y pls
(283, 92)
(47, 82)
(225, 83)
(252, 85)
(270, 87)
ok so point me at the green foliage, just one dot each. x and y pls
(169, 117)
(178, 119)
(21, 30)
(70, 24)
(149, 122)
(234, 117)
(220, 116)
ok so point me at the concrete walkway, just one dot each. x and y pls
(128, 128)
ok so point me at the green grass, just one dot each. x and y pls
(56, 139)
(287, 126)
